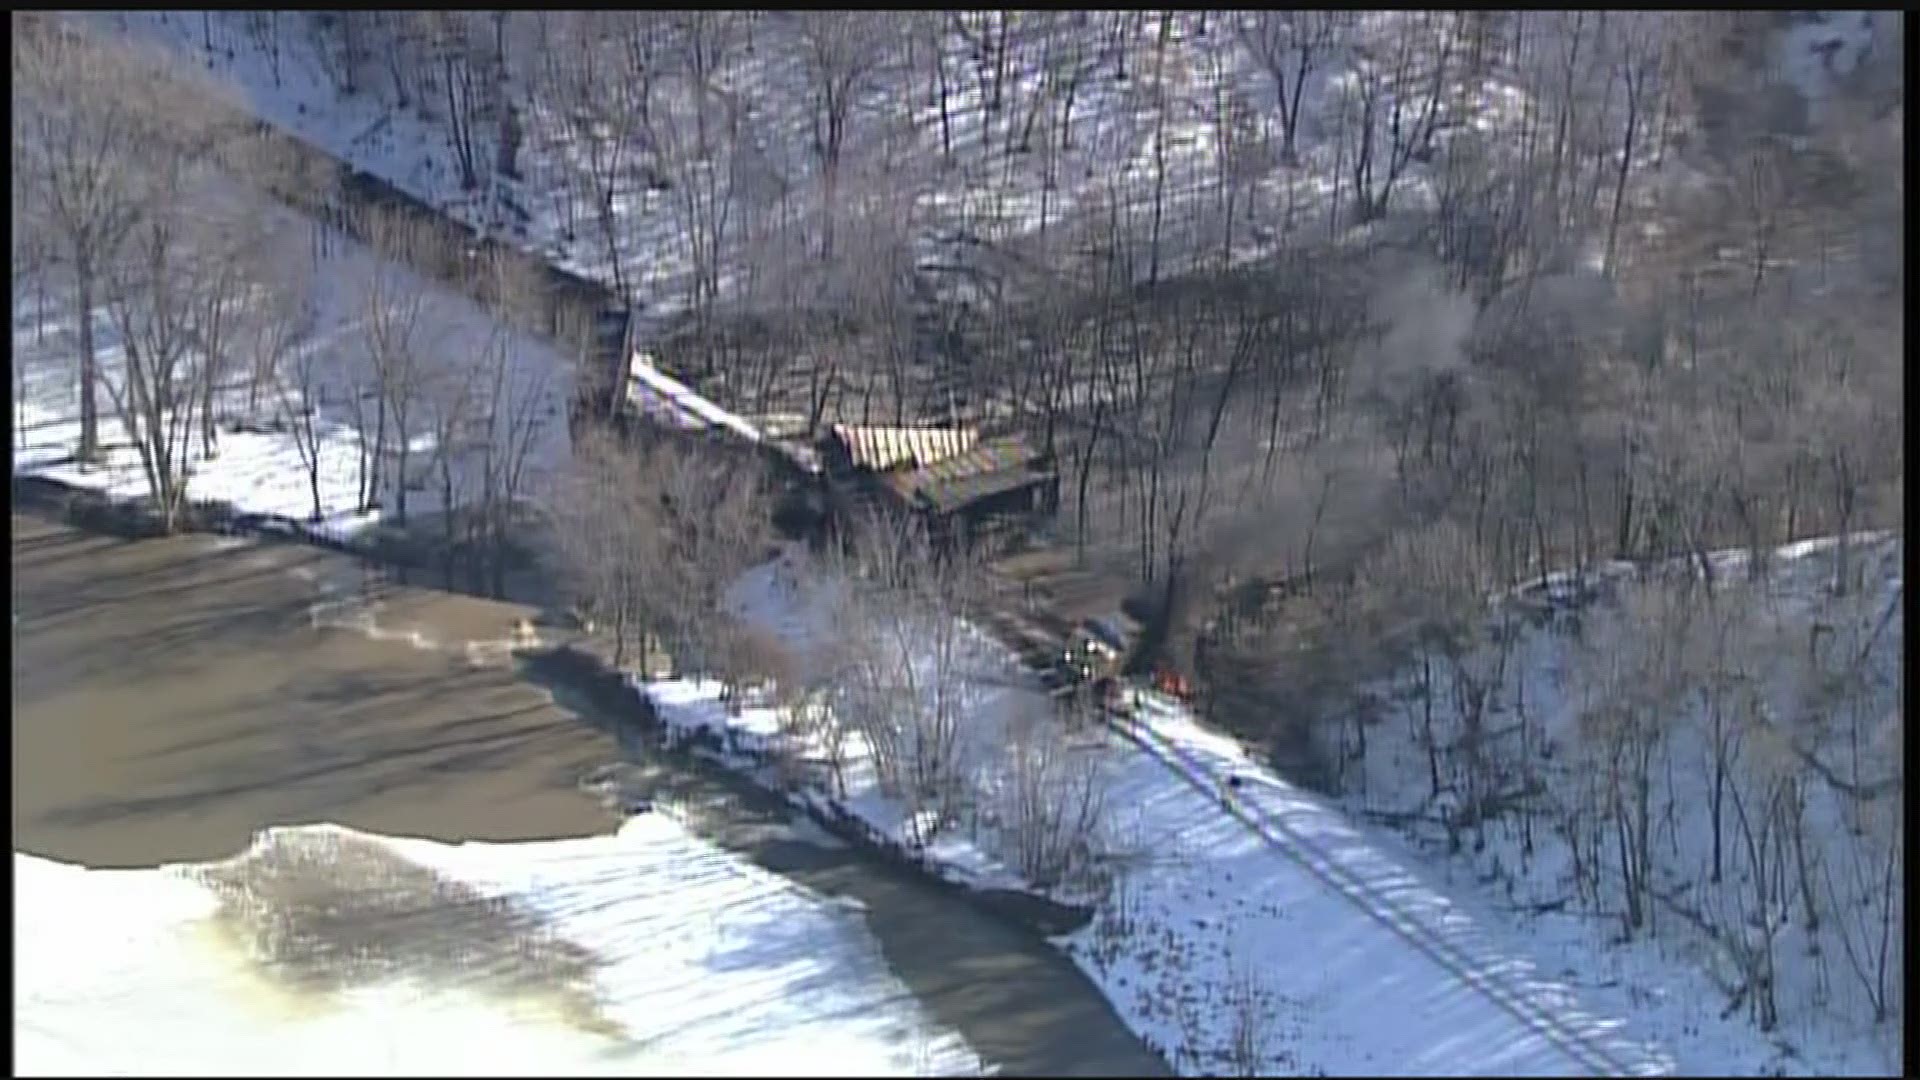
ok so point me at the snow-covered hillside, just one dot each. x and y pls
(1087, 123)
(1773, 707)
(646, 953)
(1162, 120)
(684, 157)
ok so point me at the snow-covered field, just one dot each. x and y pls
(259, 467)
(685, 961)
(1150, 152)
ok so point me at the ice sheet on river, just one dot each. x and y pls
(322, 950)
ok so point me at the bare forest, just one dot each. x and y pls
(211, 310)
(1584, 285)
(1337, 325)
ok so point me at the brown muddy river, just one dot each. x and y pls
(171, 697)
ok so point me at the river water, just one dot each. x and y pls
(172, 697)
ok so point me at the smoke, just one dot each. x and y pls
(1318, 510)
(1427, 326)
(1548, 334)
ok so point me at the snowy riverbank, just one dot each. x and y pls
(1271, 933)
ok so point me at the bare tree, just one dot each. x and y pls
(346, 45)
(172, 275)
(1727, 634)
(607, 550)
(1754, 914)
(265, 29)
(1849, 414)
(927, 44)
(1251, 1033)
(1238, 154)
(1396, 92)
(1867, 898)
(77, 117)
(715, 516)
(30, 264)
(297, 383)
(702, 159)
(276, 328)
(1291, 45)
(400, 321)
(512, 394)
(602, 83)
(1637, 54)
(173, 287)
(1433, 581)
(1054, 801)
(470, 85)
(986, 35)
(1073, 59)
(1637, 675)
(912, 682)
(231, 245)
(1760, 194)
(449, 393)
(840, 51)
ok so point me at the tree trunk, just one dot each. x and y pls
(379, 454)
(1643, 839)
(313, 486)
(1716, 801)
(400, 494)
(462, 134)
(1629, 888)
(1426, 730)
(1807, 905)
(1290, 131)
(89, 373)
(207, 449)
(620, 639)
(946, 121)
(1620, 178)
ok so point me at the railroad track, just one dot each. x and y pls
(347, 199)
(1037, 643)
(1585, 1051)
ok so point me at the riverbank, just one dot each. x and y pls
(174, 696)
(737, 754)
(1184, 942)
(612, 693)
(1251, 929)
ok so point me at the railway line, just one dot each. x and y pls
(1581, 1041)
(441, 246)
